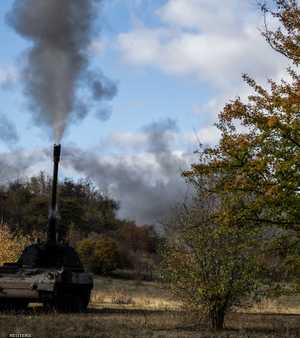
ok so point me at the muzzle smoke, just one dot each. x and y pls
(58, 79)
(146, 189)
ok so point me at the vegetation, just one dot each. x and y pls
(211, 266)
(100, 255)
(255, 167)
(138, 247)
(152, 312)
(25, 204)
(252, 180)
(11, 245)
(84, 212)
(238, 240)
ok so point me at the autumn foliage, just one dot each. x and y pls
(253, 177)
(99, 255)
(211, 266)
(256, 164)
(11, 245)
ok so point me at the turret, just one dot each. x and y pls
(52, 222)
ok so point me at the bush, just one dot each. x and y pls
(210, 266)
(101, 256)
(11, 245)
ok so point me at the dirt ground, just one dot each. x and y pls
(144, 309)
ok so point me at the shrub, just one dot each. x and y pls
(211, 267)
(100, 255)
(11, 245)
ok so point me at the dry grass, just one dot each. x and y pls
(124, 309)
(142, 324)
(138, 294)
(282, 305)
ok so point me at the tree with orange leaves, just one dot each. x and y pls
(258, 168)
(250, 236)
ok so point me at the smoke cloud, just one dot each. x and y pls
(147, 185)
(8, 131)
(8, 77)
(104, 114)
(58, 79)
(19, 164)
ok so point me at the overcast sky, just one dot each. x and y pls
(175, 62)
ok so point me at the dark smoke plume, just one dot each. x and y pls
(147, 185)
(160, 134)
(57, 76)
(8, 131)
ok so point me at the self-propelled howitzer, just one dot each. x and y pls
(49, 272)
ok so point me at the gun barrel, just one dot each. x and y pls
(53, 216)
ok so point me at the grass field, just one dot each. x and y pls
(122, 308)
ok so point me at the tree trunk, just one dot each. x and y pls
(217, 317)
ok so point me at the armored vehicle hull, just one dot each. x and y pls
(50, 273)
(61, 284)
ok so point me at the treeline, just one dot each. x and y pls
(84, 214)
(25, 206)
